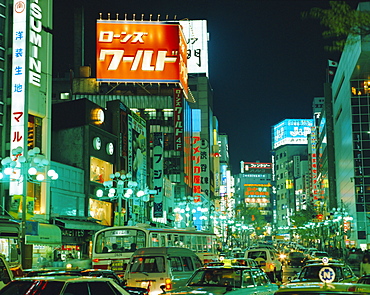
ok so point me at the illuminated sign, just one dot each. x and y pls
(197, 188)
(196, 35)
(137, 52)
(158, 173)
(30, 44)
(257, 168)
(19, 117)
(178, 119)
(291, 131)
(315, 185)
(253, 190)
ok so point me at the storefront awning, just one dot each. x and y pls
(78, 224)
(48, 234)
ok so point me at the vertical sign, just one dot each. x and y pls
(204, 168)
(178, 119)
(158, 173)
(197, 188)
(19, 112)
(315, 188)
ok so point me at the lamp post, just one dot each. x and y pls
(120, 187)
(23, 168)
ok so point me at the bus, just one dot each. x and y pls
(10, 232)
(113, 246)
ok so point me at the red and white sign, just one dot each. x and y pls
(137, 52)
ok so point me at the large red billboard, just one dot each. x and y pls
(138, 52)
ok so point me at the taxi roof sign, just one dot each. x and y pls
(327, 274)
(325, 260)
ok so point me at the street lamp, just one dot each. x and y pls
(24, 167)
(120, 187)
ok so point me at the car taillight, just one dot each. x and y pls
(168, 283)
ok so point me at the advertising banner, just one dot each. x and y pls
(158, 173)
(137, 150)
(178, 116)
(140, 52)
(204, 168)
(196, 35)
(257, 168)
(291, 131)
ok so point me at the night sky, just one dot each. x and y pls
(266, 63)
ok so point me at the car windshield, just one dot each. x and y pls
(148, 264)
(30, 287)
(216, 277)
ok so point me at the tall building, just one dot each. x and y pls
(351, 115)
(289, 149)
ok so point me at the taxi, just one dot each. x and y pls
(231, 280)
(312, 272)
(323, 289)
(326, 285)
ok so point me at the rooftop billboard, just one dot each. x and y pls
(291, 131)
(256, 168)
(140, 52)
(196, 35)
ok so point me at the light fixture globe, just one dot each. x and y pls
(8, 171)
(32, 171)
(40, 177)
(99, 193)
(140, 193)
(36, 150)
(51, 173)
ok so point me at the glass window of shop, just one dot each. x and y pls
(100, 170)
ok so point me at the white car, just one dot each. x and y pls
(268, 261)
(63, 285)
(230, 280)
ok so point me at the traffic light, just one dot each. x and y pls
(320, 217)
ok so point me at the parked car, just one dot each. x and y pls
(295, 259)
(310, 273)
(231, 280)
(63, 285)
(268, 261)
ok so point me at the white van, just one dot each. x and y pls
(161, 269)
(268, 261)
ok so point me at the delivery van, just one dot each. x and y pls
(160, 269)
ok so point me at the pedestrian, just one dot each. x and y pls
(365, 265)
